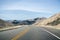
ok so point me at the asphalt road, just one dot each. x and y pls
(29, 33)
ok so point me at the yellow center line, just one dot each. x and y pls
(21, 34)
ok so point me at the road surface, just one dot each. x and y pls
(30, 33)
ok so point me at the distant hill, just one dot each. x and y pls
(53, 20)
(5, 23)
(38, 20)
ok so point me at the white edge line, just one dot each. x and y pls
(51, 33)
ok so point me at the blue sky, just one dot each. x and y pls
(28, 9)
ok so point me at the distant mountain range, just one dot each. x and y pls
(27, 22)
(8, 23)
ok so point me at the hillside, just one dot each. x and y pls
(5, 23)
(53, 20)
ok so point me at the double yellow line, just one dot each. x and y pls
(21, 34)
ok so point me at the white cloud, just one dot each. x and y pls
(35, 7)
(22, 7)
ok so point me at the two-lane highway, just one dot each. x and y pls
(27, 33)
(9, 34)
